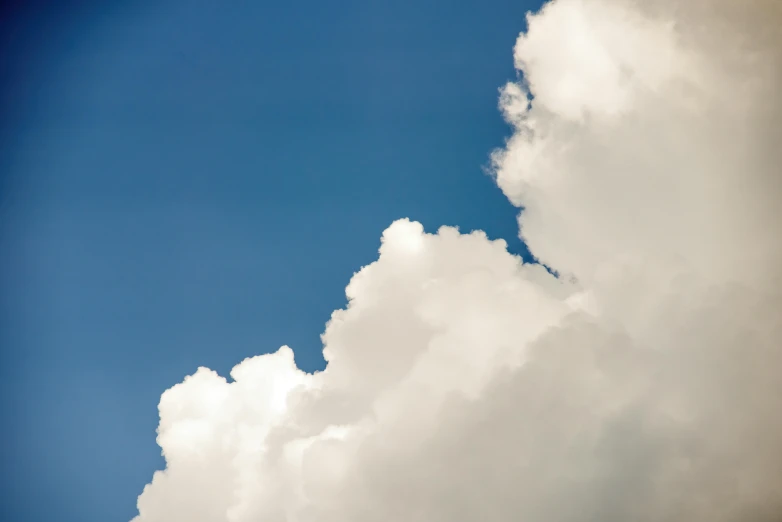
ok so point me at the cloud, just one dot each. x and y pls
(642, 384)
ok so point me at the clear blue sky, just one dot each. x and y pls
(188, 183)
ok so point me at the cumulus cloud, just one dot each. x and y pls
(642, 383)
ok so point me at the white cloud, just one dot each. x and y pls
(463, 385)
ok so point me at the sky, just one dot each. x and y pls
(194, 194)
(187, 184)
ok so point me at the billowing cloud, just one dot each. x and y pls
(644, 383)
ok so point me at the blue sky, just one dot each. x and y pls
(189, 183)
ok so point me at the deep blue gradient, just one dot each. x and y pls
(189, 183)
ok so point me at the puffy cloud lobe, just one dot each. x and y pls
(642, 384)
(650, 132)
